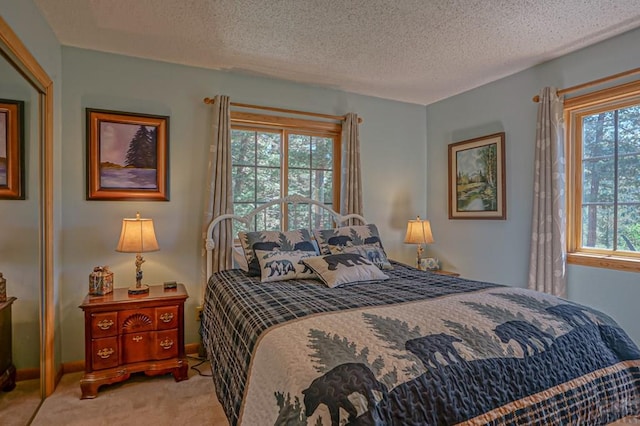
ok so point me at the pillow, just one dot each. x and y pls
(280, 265)
(373, 252)
(347, 235)
(270, 240)
(343, 268)
(239, 259)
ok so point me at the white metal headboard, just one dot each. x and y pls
(246, 219)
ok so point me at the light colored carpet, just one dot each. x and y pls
(139, 401)
(18, 406)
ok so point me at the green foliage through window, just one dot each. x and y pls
(272, 163)
(610, 213)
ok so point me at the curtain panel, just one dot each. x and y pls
(351, 186)
(218, 196)
(547, 261)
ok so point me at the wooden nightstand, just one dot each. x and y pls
(7, 369)
(449, 273)
(127, 334)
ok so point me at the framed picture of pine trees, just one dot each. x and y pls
(127, 156)
(477, 185)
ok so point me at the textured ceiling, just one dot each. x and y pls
(417, 51)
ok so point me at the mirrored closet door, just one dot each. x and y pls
(25, 227)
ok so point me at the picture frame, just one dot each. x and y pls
(477, 185)
(12, 162)
(127, 156)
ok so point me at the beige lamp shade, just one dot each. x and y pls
(137, 236)
(418, 232)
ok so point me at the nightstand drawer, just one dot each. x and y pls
(136, 347)
(136, 320)
(104, 324)
(167, 317)
(166, 344)
(104, 353)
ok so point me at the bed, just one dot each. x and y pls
(394, 345)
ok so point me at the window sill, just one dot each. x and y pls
(604, 261)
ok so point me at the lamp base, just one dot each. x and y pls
(144, 289)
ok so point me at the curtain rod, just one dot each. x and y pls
(536, 98)
(287, 111)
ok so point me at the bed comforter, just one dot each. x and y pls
(419, 349)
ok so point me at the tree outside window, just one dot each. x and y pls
(269, 162)
(603, 166)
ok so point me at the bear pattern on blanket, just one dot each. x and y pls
(334, 387)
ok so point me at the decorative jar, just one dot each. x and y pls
(100, 281)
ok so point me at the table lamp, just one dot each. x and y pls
(418, 232)
(137, 236)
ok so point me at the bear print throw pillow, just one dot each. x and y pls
(372, 252)
(279, 265)
(273, 240)
(347, 236)
(343, 268)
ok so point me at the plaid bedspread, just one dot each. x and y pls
(418, 348)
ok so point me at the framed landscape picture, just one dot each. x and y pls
(477, 178)
(127, 156)
(12, 184)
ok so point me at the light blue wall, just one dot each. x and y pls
(34, 32)
(27, 22)
(499, 250)
(393, 150)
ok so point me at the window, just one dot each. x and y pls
(603, 185)
(275, 157)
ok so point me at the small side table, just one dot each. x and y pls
(448, 273)
(126, 334)
(7, 369)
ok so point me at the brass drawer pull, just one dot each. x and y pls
(105, 353)
(166, 343)
(136, 338)
(105, 324)
(166, 317)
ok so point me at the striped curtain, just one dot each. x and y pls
(351, 186)
(548, 249)
(218, 196)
